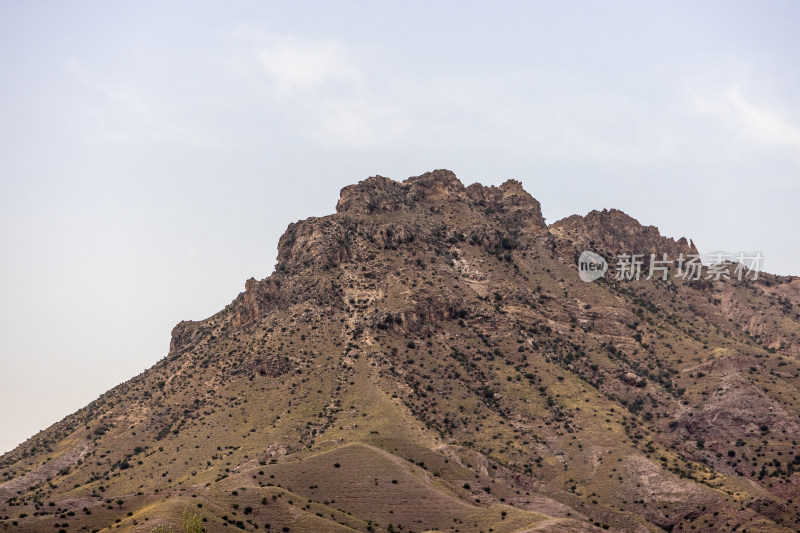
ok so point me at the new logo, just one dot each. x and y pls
(591, 266)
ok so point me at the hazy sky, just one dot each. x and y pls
(151, 153)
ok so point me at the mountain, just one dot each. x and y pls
(428, 358)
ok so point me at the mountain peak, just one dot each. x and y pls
(436, 185)
(379, 194)
(612, 230)
(514, 205)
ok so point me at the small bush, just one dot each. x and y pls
(192, 522)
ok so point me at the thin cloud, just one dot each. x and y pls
(355, 124)
(344, 96)
(139, 117)
(297, 65)
(762, 125)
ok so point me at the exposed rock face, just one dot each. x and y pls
(614, 231)
(258, 298)
(509, 203)
(378, 194)
(784, 295)
(373, 195)
(515, 208)
(183, 335)
(439, 185)
(632, 379)
(266, 296)
(313, 243)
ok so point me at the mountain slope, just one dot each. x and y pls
(428, 358)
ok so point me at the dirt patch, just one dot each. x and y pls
(47, 471)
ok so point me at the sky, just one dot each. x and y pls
(152, 153)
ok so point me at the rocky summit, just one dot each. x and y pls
(428, 359)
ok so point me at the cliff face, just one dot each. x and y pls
(510, 202)
(378, 194)
(612, 230)
(427, 357)
(353, 234)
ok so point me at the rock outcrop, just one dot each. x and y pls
(511, 204)
(378, 194)
(614, 231)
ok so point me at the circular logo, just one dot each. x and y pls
(591, 266)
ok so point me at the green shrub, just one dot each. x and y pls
(192, 522)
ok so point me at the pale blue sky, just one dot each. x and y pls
(151, 153)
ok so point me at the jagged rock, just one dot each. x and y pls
(378, 194)
(510, 202)
(258, 298)
(313, 243)
(184, 334)
(614, 231)
(439, 185)
(632, 379)
(373, 195)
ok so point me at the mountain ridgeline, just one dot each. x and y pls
(427, 358)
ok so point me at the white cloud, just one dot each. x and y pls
(339, 95)
(328, 87)
(306, 65)
(764, 126)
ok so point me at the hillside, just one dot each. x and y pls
(427, 358)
